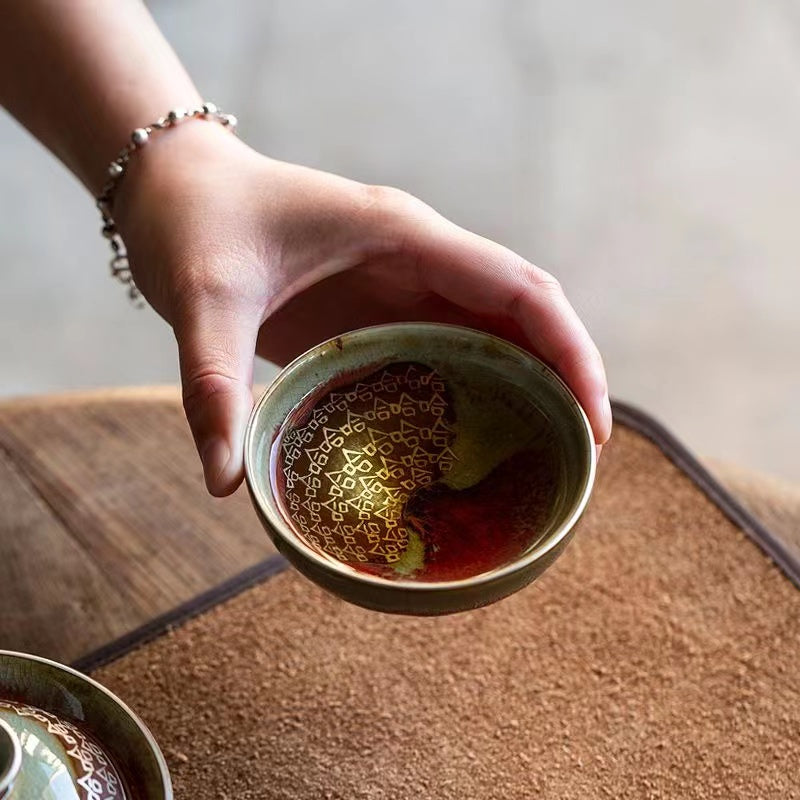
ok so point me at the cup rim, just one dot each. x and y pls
(267, 505)
(143, 729)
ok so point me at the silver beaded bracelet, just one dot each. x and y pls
(120, 267)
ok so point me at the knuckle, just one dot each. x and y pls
(532, 281)
(207, 278)
(200, 386)
(390, 202)
(395, 216)
(542, 280)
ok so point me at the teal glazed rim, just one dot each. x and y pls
(433, 344)
(77, 698)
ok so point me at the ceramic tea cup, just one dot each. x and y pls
(63, 736)
(419, 468)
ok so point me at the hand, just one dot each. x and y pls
(242, 254)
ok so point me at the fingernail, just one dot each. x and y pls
(215, 457)
(607, 411)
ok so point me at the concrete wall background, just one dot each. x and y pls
(647, 153)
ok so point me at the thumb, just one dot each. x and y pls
(216, 348)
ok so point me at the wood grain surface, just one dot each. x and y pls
(104, 519)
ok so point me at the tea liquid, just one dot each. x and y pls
(408, 475)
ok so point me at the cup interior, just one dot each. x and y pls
(418, 454)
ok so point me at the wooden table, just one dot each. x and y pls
(105, 521)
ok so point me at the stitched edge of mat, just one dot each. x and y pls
(258, 573)
(627, 415)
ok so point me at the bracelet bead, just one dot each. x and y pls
(140, 136)
(120, 267)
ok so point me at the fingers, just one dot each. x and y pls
(490, 280)
(216, 347)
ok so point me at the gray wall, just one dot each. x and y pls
(646, 152)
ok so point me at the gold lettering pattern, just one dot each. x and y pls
(98, 779)
(350, 469)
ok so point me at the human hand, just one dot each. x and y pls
(243, 254)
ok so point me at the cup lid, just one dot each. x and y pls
(53, 758)
(63, 736)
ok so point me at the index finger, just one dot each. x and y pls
(488, 279)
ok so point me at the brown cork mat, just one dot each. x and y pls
(659, 657)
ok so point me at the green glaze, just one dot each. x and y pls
(77, 740)
(485, 439)
(46, 772)
(488, 376)
(411, 560)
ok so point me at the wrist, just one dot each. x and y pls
(169, 158)
(128, 181)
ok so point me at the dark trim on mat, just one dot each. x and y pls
(627, 415)
(686, 461)
(252, 576)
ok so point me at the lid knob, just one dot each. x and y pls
(10, 759)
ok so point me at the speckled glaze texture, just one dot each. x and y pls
(76, 740)
(368, 446)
